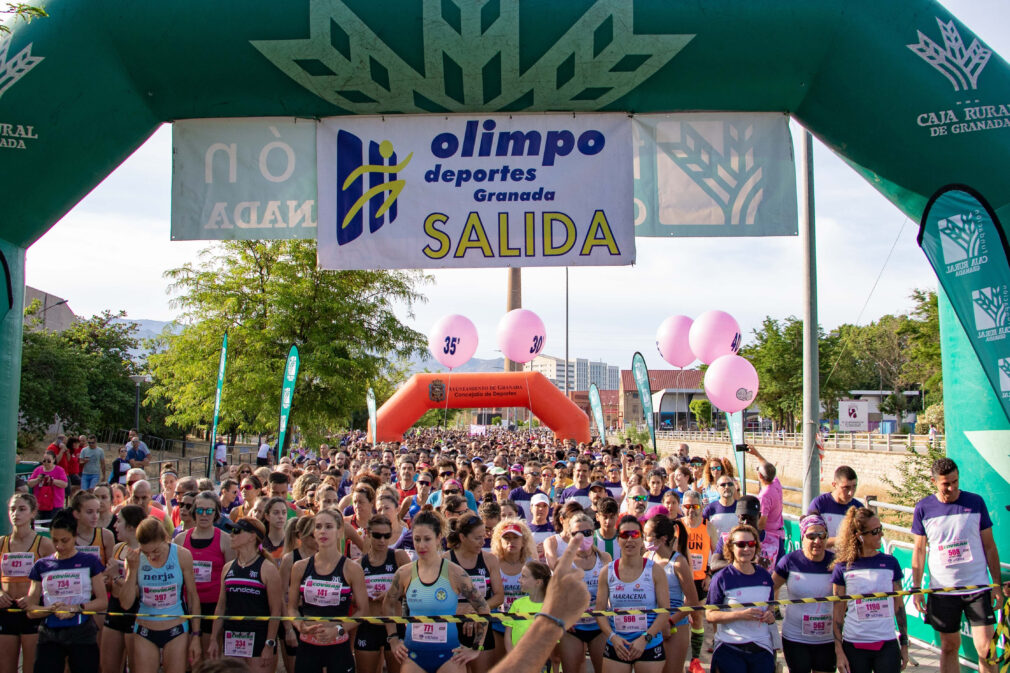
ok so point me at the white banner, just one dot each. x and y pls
(714, 174)
(475, 191)
(853, 416)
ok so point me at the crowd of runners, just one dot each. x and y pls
(444, 524)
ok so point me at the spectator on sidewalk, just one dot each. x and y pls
(92, 461)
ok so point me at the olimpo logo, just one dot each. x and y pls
(959, 64)
(354, 198)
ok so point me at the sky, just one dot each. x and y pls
(110, 251)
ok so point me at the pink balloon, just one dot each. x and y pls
(731, 383)
(672, 340)
(714, 334)
(521, 335)
(453, 340)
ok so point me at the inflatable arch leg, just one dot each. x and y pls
(10, 366)
(530, 390)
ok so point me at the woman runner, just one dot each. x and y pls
(298, 544)
(326, 584)
(864, 629)
(431, 586)
(632, 583)
(66, 584)
(275, 515)
(667, 540)
(512, 543)
(106, 519)
(251, 586)
(586, 633)
(466, 541)
(211, 550)
(379, 565)
(117, 636)
(808, 641)
(159, 572)
(91, 539)
(19, 552)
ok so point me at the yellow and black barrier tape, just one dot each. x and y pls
(499, 617)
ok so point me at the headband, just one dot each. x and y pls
(811, 520)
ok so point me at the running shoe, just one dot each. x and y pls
(695, 666)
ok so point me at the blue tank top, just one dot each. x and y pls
(676, 591)
(161, 589)
(423, 600)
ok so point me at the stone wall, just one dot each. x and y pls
(870, 466)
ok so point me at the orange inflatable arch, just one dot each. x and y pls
(530, 390)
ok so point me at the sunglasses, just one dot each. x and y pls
(629, 534)
(446, 474)
(690, 507)
(502, 487)
(583, 533)
(461, 513)
(816, 536)
(744, 544)
(547, 474)
(639, 498)
(203, 511)
(697, 464)
(451, 492)
(380, 536)
(248, 487)
(716, 468)
(186, 505)
(874, 531)
(726, 484)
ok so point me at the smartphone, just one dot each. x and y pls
(742, 448)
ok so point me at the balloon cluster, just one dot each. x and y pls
(731, 382)
(453, 338)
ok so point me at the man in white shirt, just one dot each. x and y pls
(264, 455)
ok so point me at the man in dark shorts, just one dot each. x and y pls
(953, 533)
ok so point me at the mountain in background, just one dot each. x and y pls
(148, 329)
(419, 365)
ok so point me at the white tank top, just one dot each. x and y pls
(592, 579)
(637, 595)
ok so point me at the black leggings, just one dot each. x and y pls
(74, 646)
(885, 660)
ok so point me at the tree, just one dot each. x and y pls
(923, 333)
(269, 295)
(914, 479)
(80, 376)
(702, 410)
(21, 10)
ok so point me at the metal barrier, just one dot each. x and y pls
(866, 441)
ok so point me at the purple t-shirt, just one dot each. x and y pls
(955, 555)
(729, 585)
(812, 622)
(522, 500)
(723, 517)
(66, 581)
(831, 511)
(579, 495)
(868, 620)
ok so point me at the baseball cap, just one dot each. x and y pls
(539, 498)
(597, 484)
(513, 529)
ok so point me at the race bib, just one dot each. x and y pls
(160, 597)
(376, 585)
(631, 623)
(66, 586)
(239, 643)
(202, 571)
(869, 610)
(17, 564)
(322, 592)
(816, 625)
(429, 633)
(697, 563)
(92, 549)
(121, 565)
(479, 583)
(954, 553)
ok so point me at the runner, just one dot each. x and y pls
(158, 572)
(211, 550)
(533, 582)
(539, 524)
(666, 540)
(632, 583)
(412, 505)
(326, 584)
(524, 495)
(117, 637)
(168, 479)
(834, 505)
(275, 515)
(953, 532)
(363, 507)
(19, 552)
(91, 539)
(808, 641)
(721, 513)
(387, 505)
(586, 633)
(465, 541)
(251, 586)
(636, 501)
(512, 543)
(298, 544)
(379, 566)
(715, 470)
(67, 583)
(579, 490)
(106, 519)
(699, 547)
(864, 629)
(432, 648)
(743, 641)
(555, 545)
(607, 515)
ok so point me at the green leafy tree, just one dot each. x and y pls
(913, 481)
(268, 295)
(702, 410)
(21, 10)
(923, 333)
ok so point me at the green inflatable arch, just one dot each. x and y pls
(902, 90)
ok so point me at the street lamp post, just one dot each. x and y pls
(137, 379)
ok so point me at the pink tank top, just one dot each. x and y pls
(207, 565)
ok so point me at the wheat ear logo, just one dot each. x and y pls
(961, 66)
(990, 307)
(961, 236)
(471, 60)
(1004, 374)
(11, 70)
(352, 196)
